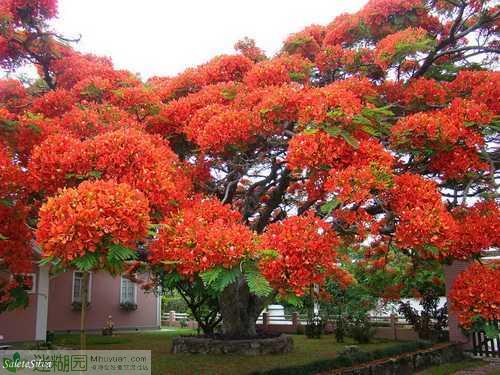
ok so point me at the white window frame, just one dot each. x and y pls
(121, 290)
(33, 284)
(89, 291)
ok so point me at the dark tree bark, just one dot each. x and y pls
(239, 310)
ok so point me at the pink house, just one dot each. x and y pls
(107, 296)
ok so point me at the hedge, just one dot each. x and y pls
(348, 360)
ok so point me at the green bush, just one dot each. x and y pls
(174, 303)
(339, 330)
(361, 331)
(300, 330)
(314, 327)
(348, 359)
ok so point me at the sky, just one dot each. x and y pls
(163, 37)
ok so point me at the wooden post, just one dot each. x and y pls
(265, 321)
(85, 282)
(295, 321)
(171, 318)
(394, 327)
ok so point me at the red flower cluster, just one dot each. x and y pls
(316, 150)
(335, 57)
(424, 92)
(306, 248)
(82, 220)
(279, 71)
(247, 48)
(319, 150)
(15, 236)
(452, 135)
(53, 103)
(458, 164)
(203, 235)
(329, 105)
(74, 67)
(131, 156)
(223, 68)
(477, 229)
(377, 19)
(395, 47)
(53, 161)
(278, 105)
(140, 101)
(13, 96)
(344, 29)
(87, 122)
(175, 115)
(423, 223)
(476, 293)
(306, 42)
(481, 86)
(31, 129)
(214, 127)
(436, 128)
(25, 9)
(356, 184)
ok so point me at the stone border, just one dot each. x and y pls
(251, 347)
(407, 363)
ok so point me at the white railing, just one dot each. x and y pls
(174, 316)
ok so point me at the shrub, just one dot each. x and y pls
(348, 359)
(174, 303)
(361, 331)
(431, 321)
(314, 327)
(339, 330)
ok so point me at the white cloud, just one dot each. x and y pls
(161, 37)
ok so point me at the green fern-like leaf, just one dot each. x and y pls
(210, 276)
(219, 278)
(257, 283)
(86, 262)
(226, 278)
(118, 253)
(350, 139)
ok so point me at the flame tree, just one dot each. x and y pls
(259, 174)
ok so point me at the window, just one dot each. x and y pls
(128, 291)
(77, 286)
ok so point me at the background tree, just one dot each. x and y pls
(370, 133)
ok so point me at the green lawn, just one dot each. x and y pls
(159, 342)
(451, 368)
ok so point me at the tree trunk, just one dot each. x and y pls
(239, 310)
(85, 283)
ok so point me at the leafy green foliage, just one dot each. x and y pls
(350, 139)
(116, 256)
(219, 278)
(331, 205)
(348, 359)
(87, 262)
(257, 283)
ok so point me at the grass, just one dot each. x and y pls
(451, 368)
(163, 362)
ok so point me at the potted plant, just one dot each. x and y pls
(77, 306)
(128, 306)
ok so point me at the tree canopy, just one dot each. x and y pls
(259, 176)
